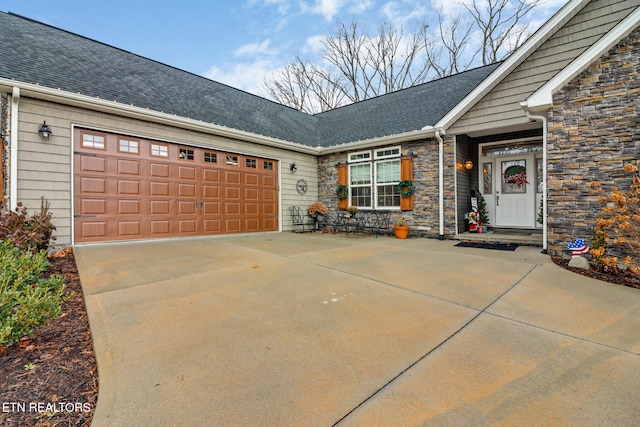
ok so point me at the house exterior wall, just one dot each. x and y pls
(44, 168)
(593, 132)
(501, 108)
(424, 218)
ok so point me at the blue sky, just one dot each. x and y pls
(237, 42)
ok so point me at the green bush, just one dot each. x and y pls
(31, 233)
(27, 299)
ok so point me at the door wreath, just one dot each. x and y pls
(342, 192)
(408, 184)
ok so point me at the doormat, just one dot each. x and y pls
(485, 245)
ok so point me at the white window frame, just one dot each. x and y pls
(376, 185)
(378, 156)
(373, 158)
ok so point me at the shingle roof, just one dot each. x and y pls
(398, 112)
(33, 52)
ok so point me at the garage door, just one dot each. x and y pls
(130, 188)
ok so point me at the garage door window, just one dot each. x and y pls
(128, 146)
(186, 154)
(251, 163)
(91, 140)
(159, 150)
(268, 166)
(210, 157)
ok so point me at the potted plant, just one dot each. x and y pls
(352, 211)
(401, 229)
(317, 211)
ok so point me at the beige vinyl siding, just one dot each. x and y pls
(44, 168)
(501, 106)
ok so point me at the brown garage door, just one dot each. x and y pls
(130, 188)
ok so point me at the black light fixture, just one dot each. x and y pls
(293, 168)
(45, 132)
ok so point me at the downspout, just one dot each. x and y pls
(543, 119)
(13, 149)
(440, 181)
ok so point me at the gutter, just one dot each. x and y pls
(426, 132)
(13, 148)
(113, 107)
(543, 119)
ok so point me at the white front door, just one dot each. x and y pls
(515, 190)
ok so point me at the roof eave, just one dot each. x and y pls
(113, 107)
(426, 132)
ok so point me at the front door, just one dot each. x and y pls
(515, 191)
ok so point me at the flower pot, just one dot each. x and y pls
(472, 227)
(401, 231)
(319, 218)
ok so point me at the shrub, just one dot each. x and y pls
(317, 208)
(618, 227)
(27, 299)
(31, 233)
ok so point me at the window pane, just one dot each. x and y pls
(487, 178)
(388, 172)
(361, 174)
(361, 197)
(514, 177)
(159, 150)
(388, 196)
(93, 141)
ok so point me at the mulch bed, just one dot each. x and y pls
(623, 277)
(59, 387)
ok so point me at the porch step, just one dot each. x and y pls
(523, 237)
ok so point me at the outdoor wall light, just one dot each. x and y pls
(468, 165)
(45, 132)
(293, 168)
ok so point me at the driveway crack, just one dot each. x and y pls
(427, 354)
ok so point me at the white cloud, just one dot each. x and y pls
(314, 44)
(400, 13)
(329, 9)
(252, 49)
(361, 6)
(247, 76)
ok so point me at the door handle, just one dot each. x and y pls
(497, 199)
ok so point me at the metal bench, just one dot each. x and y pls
(301, 220)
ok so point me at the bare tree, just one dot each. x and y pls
(501, 25)
(448, 53)
(357, 66)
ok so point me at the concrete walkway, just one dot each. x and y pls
(317, 330)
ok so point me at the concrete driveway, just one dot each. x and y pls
(320, 330)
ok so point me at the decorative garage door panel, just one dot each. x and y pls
(126, 188)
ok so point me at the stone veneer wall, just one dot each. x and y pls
(593, 132)
(423, 219)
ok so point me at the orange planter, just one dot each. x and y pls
(402, 231)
